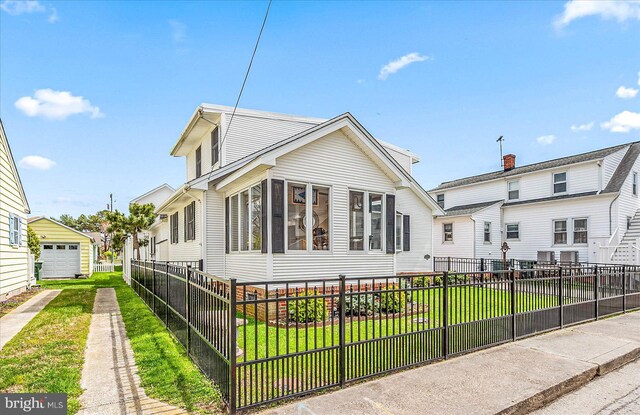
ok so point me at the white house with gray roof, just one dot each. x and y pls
(270, 196)
(581, 208)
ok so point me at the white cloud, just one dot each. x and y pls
(545, 140)
(626, 93)
(56, 105)
(178, 31)
(37, 162)
(397, 64)
(18, 7)
(623, 122)
(621, 10)
(582, 127)
(360, 81)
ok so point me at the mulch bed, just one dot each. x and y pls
(13, 302)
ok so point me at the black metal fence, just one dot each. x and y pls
(267, 341)
(456, 264)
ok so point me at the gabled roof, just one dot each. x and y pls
(623, 169)
(39, 218)
(549, 164)
(465, 210)
(287, 145)
(152, 191)
(14, 169)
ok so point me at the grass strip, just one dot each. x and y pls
(48, 353)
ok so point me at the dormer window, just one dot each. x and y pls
(560, 183)
(199, 161)
(440, 200)
(215, 146)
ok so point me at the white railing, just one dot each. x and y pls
(103, 268)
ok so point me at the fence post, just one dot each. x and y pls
(233, 391)
(596, 288)
(624, 289)
(445, 314)
(187, 295)
(513, 303)
(341, 323)
(561, 297)
(481, 264)
(448, 263)
(201, 264)
(166, 291)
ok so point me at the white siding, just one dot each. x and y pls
(337, 162)
(536, 225)
(421, 225)
(493, 215)
(215, 233)
(402, 158)
(189, 250)
(463, 237)
(481, 192)
(14, 272)
(627, 204)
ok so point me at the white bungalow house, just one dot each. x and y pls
(572, 209)
(15, 269)
(271, 196)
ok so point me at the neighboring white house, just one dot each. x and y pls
(577, 208)
(271, 196)
(15, 267)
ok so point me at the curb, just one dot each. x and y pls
(545, 397)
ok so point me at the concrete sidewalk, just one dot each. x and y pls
(514, 378)
(109, 377)
(13, 322)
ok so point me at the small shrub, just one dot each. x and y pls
(421, 281)
(307, 310)
(392, 301)
(437, 280)
(361, 305)
(451, 279)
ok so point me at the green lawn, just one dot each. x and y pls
(166, 372)
(48, 354)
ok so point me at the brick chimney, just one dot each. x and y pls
(509, 161)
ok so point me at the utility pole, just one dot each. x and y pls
(111, 200)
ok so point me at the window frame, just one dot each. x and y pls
(238, 196)
(634, 183)
(486, 233)
(565, 182)
(445, 232)
(438, 199)
(506, 231)
(190, 221)
(399, 232)
(509, 183)
(586, 230)
(366, 210)
(174, 228)
(198, 157)
(215, 146)
(308, 214)
(15, 230)
(566, 232)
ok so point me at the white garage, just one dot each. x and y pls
(60, 260)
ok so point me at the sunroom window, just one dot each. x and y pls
(308, 218)
(245, 220)
(356, 221)
(376, 212)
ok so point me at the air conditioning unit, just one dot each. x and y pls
(546, 257)
(569, 257)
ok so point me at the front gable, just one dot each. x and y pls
(12, 185)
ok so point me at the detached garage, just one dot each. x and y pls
(64, 252)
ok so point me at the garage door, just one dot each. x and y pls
(60, 260)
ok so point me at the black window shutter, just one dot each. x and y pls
(193, 220)
(226, 225)
(277, 219)
(265, 216)
(391, 224)
(406, 233)
(185, 223)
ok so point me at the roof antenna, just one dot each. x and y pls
(500, 140)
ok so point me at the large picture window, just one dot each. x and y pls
(308, 217)
(245, 220)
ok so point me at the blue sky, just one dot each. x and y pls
(99, 91)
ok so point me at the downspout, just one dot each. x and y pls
(610, 214)
(473, 245)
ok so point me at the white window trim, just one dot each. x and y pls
(566, 182)
(367, 223)
(401, 227)
(567, 231)
(634, 177)
(444, 241)
(239, 202)
(490, 241)
(574, 243)
(308, 214)
(518, 183)
(506, 232)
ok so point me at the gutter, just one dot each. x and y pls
(610, 215)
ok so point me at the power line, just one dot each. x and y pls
(255, 49)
